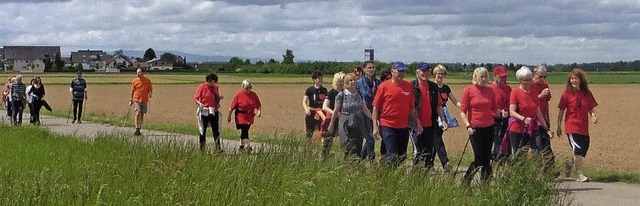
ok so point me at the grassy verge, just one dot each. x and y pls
(45, 169)
(612, 176)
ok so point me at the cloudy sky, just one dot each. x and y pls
(519, 31)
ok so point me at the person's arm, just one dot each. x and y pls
(454, 100)
(132, 90)
(305, 105)
(593, 115)
(374, 119)
(337, 108)
(514, 114)
(464, 110)
(325, 106)
(414, 114)
(560, 114)
(366, 110)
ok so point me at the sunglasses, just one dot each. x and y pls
(544, 77)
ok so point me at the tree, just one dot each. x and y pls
(272, 61)
(149, 55)
(169, 57)
(235, 63)
(288, 57)
(247, 61)
(48, 64)
(118, 52)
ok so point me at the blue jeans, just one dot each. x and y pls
(16, 113)
(396, 141)
(368, 150)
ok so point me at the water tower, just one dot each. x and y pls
(368, 54)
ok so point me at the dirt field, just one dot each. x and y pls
(613, 145)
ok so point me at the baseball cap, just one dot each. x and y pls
(399, 66)
(423, 66)
(500, 71)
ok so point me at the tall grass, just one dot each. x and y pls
(41, 168)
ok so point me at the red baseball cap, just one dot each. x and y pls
(500, 71)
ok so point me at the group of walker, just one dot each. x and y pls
(16, 95)
(499, 120)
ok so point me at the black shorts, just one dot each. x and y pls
(579, 143)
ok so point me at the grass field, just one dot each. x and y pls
(44, 169)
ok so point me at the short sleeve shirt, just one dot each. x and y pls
(331, 96)
(544, 101)
(577, 106)
(141, 88)
(394, 101)
(478, 102)
(527, 106)
(316, 96)
(444, 94)
(245, 103)
(350, 103)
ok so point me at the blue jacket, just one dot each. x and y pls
(368, 88)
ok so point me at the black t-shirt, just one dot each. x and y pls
(444, 94)
(316, 96)
(331, 96)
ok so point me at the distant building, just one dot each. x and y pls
(90, 59)
(159, 64)
(118, 62)
(27, 58)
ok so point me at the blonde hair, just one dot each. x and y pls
(439, 68)
(246, 84)
(480, 71)
(348, 77)
(338, 77)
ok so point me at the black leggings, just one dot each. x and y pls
(211, 119)
(481, 141)
(244, 130)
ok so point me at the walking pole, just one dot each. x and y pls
(69, 113)
(461, 156)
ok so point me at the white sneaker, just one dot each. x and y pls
(446, 167)
(582, 178)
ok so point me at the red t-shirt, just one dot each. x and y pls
(577, 106)
(543, 102)
(246, 103)
(205, 94)
(526, 104)
(394, 103)
(425, 107)
(502, 95)
(479, 104)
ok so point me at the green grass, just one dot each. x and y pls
(44, 169)
(599, 175)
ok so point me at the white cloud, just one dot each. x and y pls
(518, 31)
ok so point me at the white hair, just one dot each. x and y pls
(246, 84)
(524, 73)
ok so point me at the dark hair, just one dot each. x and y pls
(357, 69)
(368, 62)
(212, 76)
(385, 75)
(316, 74)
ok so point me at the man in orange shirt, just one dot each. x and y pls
(140, 94)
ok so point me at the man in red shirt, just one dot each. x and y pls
(502, 92)
(540, 87)
(428, 105)
(392, 105)
(208, 98)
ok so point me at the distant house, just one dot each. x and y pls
(90, 59)
(27, 58)
(139, 65)
(158, 64)
(118, 62)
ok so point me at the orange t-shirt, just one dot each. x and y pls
(141, 88)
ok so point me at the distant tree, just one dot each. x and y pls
(118, 52)
(512, 67)
(288, 57)
(149, 55)
(235, 63)
(247, 61)
(272, 61)
(59, 64)
(169, 57)
(260, 63)
(48, 63)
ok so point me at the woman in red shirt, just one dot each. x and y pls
(523, 106)
(477, 110)
(578, 102)
(246, 105)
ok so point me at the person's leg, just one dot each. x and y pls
(215, 129)
(439, 148)
(244, 136)
(31, 113)
(14, 111)
(485, 146)
(516, 140)
(80, 110)
(204, 121)
(475, 145)
(402, 140)
(420, 147)
(20, 111)
(309, 123)
(75, 110)
(37, 105)
(368, 150)
(580, 144)
(389, 137)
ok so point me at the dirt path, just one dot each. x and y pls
(589, 193)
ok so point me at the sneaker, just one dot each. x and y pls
(241, 147)
(137, 132)
(73, 121)
(582, 178)
(567, 168)
(446, 167)
(79, 121)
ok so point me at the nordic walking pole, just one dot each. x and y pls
(69, 113)
(461, 156)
